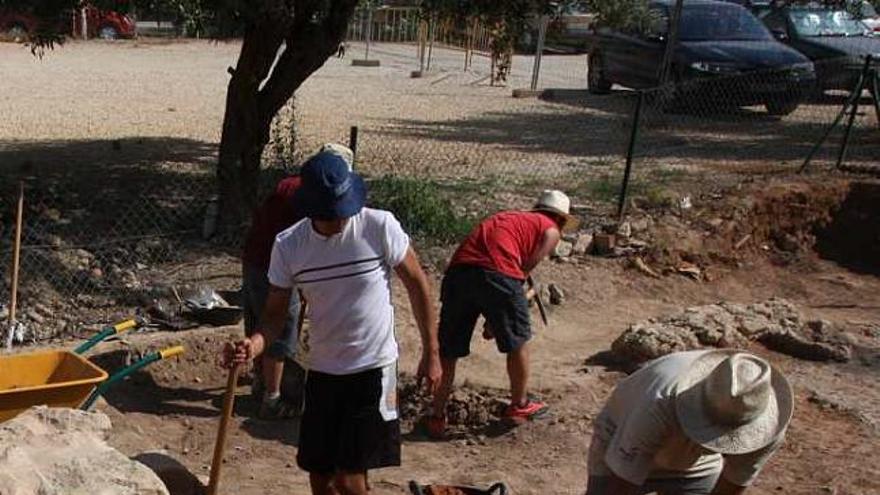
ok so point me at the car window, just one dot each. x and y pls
(815, 23)
(776, 23)
(720, 22)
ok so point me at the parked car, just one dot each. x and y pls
(106, 24)
(568, 31)
(717, 40)
(833, 39)
(865, 12)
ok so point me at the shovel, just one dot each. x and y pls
(225, 417)
(538, 301)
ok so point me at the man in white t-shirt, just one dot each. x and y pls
(690, 423)
(341, 259)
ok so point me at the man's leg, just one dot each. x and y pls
(518, 373)
(458, 316)
(446, 383)
(273, 367)
(352, 483)
(322, 484)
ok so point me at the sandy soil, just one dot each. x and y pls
(175, 406)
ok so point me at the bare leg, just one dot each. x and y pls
(273, 370)
(322, 484)
(518, 372)
(352, 483)
(445, 390)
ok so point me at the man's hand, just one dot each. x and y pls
(241, 351)
(430, 371)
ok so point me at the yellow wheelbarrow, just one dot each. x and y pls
(61, 378)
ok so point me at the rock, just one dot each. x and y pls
(34, 316)
(563, 249)
(582, 245)
(604, 244)
(787, 242)
(556, 294)
(624, 229)
(54, 240)
(640, 224)
(59, 451)
(776, 323)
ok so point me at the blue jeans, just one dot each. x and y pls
(254, 290)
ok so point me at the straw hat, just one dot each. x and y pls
(557, 202)
(733, 402)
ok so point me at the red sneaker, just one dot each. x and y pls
(524, 412)
(435, 427)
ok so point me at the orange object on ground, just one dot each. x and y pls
(52, 378)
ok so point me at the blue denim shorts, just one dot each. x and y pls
(703, 485)
(254, 289)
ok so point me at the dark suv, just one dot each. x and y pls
(832, 38)
(717, 41)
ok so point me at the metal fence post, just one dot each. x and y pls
(633, 136)
(369, 31)
(353, 143)
(856, 96)
(851, 100)
(539, 50)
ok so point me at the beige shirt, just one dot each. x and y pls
(637, 435)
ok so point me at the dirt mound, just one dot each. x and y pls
(785, 222)
(54, 451)
(470, 411)
(776, 323)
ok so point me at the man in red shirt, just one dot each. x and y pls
(485, 277)
(276, 214)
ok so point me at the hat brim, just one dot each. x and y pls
(571, 222)
(752, 436)
(311, 204)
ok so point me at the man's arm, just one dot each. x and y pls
(548, 243)
(274, 315)
(419, 291)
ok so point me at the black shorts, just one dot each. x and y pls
(350, 422)
(470, 291)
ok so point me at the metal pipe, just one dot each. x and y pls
(539, 50)
(849, 101)
(844, 146)
(634, 134)
(353, 143)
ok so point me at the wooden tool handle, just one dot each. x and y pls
(16, 254)
(226, 416)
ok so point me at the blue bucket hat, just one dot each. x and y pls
(330, 190)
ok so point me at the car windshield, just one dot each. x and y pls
(826, 23)
(720, 22)
(864, 10)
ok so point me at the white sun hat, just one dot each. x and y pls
(733, 402)
(557, 202)
(339, 150)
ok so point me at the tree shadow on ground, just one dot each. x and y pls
(122, 202)
(584, 126)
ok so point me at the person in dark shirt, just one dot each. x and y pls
(276, 214)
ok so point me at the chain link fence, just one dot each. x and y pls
(102, 238)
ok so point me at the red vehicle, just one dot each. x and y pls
(104, 24)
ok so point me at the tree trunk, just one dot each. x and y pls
(262, 82)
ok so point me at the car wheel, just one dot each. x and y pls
(596, 82)
(108, 33)
(782, 107)
(17, 33)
